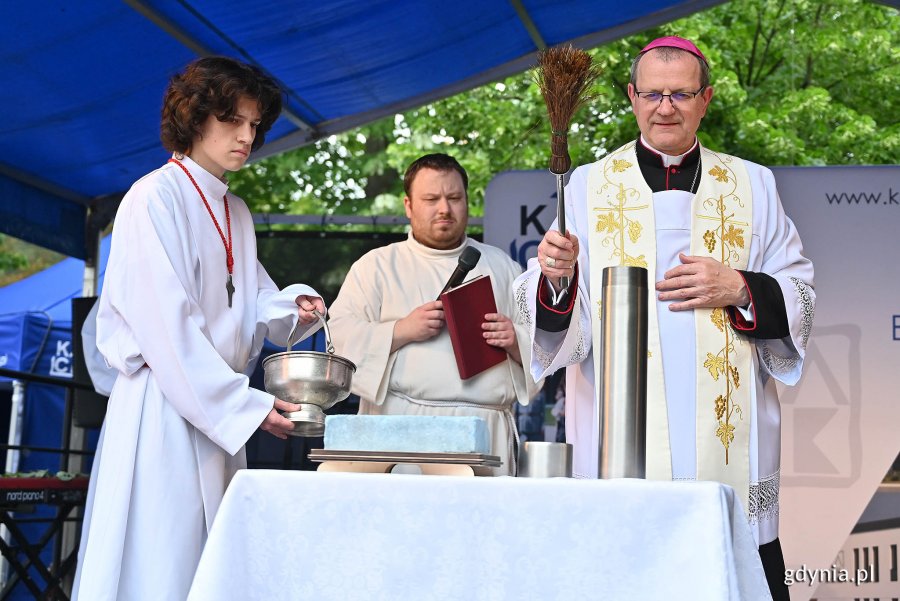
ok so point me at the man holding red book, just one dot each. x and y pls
(385, 318)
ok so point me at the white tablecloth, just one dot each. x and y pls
(323, 536)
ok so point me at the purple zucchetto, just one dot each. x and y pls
(673, 41)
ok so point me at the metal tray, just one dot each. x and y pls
(473, 459)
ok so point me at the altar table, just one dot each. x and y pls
(343, 536)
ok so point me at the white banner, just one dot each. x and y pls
(839, 425)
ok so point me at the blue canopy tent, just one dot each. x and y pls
(83, 81)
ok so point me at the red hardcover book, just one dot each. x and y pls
(464, 309)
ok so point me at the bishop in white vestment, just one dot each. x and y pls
(730, 312)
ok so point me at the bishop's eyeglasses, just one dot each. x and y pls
(676, 98)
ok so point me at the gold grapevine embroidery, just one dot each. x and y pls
(727, 235)
(620, 165)
(719, 173)
(615, 220)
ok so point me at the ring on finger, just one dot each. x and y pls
(549, 261)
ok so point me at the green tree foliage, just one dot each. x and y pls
(10, 259)
(797, 82)
(19, 259)
(805, 82)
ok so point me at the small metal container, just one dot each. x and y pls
(314, 380)
(545, 460)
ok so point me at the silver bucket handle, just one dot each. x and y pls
(328, 345)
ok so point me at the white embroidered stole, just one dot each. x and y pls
(625, 234)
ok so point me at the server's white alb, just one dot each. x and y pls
(181, 393)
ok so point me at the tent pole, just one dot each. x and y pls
(76, 436)
(12, 457)
(15, 425)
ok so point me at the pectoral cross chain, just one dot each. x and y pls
(229, 287)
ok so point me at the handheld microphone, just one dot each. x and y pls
(467, 260)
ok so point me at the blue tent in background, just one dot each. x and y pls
(36, 337)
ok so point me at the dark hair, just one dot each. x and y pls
(213, 86)
(438, 162)
(669, 53)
